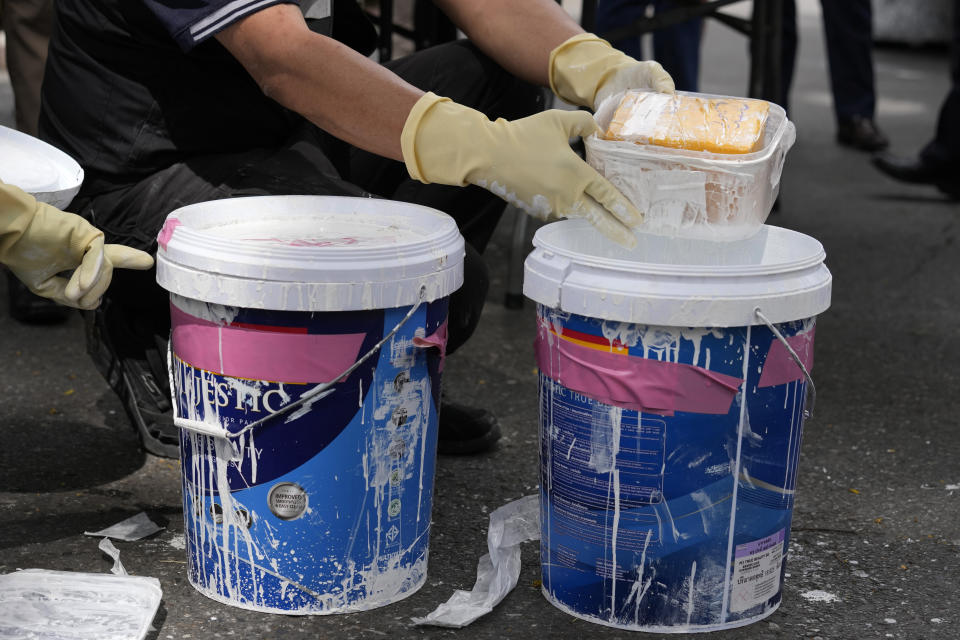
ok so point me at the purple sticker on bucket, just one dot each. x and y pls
(752, 548)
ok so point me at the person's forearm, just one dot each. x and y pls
(333, 86)
(519, 34)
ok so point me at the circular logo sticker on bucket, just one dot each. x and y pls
(287, 501)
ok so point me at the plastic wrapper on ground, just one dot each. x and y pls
(498, 571)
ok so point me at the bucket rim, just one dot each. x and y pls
(541, 240)
(374, 253)
(447, 232)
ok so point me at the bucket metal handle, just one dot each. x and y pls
(807, 405)
(318, 392)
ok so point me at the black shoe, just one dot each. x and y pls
(134, 365)
(28, 307)
(465, 430)
(917, 171)
(861, 133)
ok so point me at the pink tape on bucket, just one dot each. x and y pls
(632, 382)
(261, 354)
(779, 368)
(163, 238)
(436, 339)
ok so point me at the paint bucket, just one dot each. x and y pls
(307, 342)
(673, 381)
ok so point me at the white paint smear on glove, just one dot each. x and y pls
(497, 571)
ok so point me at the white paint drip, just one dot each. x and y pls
(741, 398)
(613, 543)
(704, 503)
(690, 592)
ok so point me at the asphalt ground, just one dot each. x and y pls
(877, 516)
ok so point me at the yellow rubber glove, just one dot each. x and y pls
(38, 241)
(585, 69)
(527, 162)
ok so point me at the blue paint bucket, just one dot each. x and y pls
(307, 346)
(673, 386)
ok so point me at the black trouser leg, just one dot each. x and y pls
(848, 30)
(944, 149)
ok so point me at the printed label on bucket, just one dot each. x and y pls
(327, 508)
(756, 572)
(650, 506)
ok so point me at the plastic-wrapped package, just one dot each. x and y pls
(720, 125)
(695, 194)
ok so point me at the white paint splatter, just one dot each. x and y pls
(818, 595)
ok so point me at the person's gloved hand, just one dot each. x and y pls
(585, 70)
(527, 162)
(38, 241)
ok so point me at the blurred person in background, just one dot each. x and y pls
(676, 47)
(27, 24)
(848, 31)
(938, 163)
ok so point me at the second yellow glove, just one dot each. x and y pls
(38, 241)
(585, 70)
(527, 162)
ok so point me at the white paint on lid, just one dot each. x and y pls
(310, 253)
(678, 282)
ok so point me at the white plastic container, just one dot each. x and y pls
(695, 194)
(43, 171)
(37, 603)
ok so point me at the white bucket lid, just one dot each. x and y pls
(678, 282)
(42, 170)
(310, 253)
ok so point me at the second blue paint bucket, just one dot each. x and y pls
(673, 384)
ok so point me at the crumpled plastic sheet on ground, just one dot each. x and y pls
(129, 530)
(107, 547)
(498, 571)
(67, 605)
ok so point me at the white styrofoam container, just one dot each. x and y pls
(695, 194)
(42, 170)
